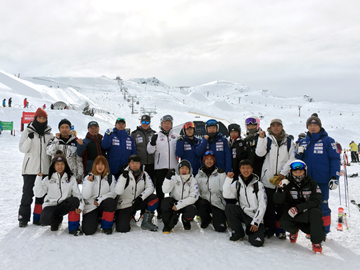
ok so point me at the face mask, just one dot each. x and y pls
(212, 135)
(299, 179)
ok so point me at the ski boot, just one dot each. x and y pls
(293, 237)
(282, 236)
(186, 223)
(317, 248)
(147, 222)
(76, 232)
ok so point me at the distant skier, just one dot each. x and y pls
(25, 102)
(4, 102)
(354, 152)
(10, 101)
(44, 106)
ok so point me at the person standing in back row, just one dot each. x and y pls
(33, 142)
(141, 136)
(163, 146)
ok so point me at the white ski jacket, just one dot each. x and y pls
(211, 188)
(69, 149)
(99, 189)
(143, 188)
(186, 193)
(57, 189)
(35, 160)
(277, 160)
(164, 151)
(254, 205)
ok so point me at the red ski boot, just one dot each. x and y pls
(317, 248)
(293, 237)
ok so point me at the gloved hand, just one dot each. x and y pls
(301, 150)
(333, 184)
(31, 135)
(153, 139)
(170, 173)
(180, 138)
(125, 174)
(275, 181)
(108, 132)
(293, 212)
(283, 183)
(137, 202)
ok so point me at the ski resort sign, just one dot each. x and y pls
(26, 118)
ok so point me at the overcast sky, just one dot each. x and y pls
(290, 47)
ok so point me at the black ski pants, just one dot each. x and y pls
(314, 226)
(236, 216)
(159, 180)
(169, 216)
(90, 220)
(273, 214)
(53, 215)
(123, 216)
(204, 209)
(27, 199)
(149, 168)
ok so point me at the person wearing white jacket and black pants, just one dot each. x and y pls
(33, 142)
(184, 192)
(278, 150)
(163, 146)
(99, 195)
(250, 207)
(211, 201)
(135, 190)
(62, 196)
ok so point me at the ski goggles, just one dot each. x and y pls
(209, 153)
(145, 122)
(211, 122)
(119, 120)
(189, 125)
(251, 121)
(297, 166)
(167, 118)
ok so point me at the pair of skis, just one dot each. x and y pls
(341, 219)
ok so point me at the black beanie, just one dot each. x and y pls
(186, 163)
(313, 119)
(64, 121)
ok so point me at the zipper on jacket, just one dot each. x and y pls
(208, 184)
(26, 164)
(99, 186)
(59, 187)
(40, 152)
(169, 148)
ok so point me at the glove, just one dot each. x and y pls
(170, 173)
(153, 139)
(31, 135)
(293, 212)
(180, 138)
(333, 184)
(137, 202)
(275, 181)
(108, 132)
(125, 174)
(283, 183)
(301, 150)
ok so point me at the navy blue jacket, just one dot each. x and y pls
(185, 149)
(120, 146)
(219, 145)
(320, 156)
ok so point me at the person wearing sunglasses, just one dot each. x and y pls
(119, 146)
(211, 201)
(216, 142)
(250, 206)
(302, 198)
(141, 136)
(278, 149)
(319, 152)
(252, 124)
(186, 145)
(237, 147)
(163, 146)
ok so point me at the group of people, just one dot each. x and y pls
(262, 182)
(9, 102)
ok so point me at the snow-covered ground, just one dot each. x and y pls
(36, 247)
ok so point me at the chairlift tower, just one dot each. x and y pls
(132, 103)
(149, 111)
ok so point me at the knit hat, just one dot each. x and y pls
(313, 119)
(40, 113)
(64, 121)
(276, 120)
(134, 158)
(186, 163)
(210, 154)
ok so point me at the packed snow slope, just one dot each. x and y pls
(37, 247)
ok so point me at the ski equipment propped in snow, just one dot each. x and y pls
(354, 203)
(340, 218)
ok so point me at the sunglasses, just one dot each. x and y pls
(189, 125)
(211, 122)
(120, 119)
(297, 166)
(251, 121)
(209, 153)
(145, 122)
(167, 118)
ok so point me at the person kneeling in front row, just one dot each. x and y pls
(250, 207)
(135, 190)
